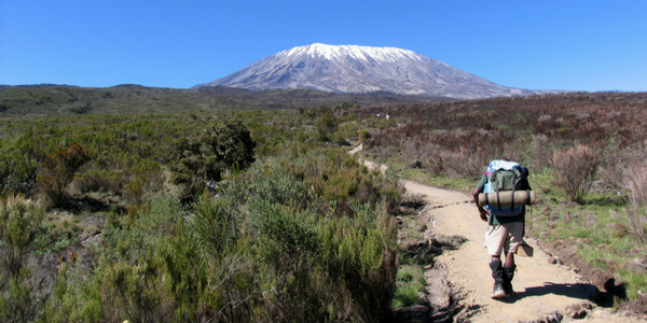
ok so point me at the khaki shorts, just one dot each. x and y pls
(506, 236)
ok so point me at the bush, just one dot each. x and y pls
(227, 146)
(58, 172)
(363, 135)
(19, 224)
(407, 295)
(361, 256)
(635, 183)
(16, 303)
(326, 126)
(573, 170)
(99, 180)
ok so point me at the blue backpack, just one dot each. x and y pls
(503, 176)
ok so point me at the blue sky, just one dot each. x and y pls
(567, 45)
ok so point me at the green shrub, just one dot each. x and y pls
(16, 303)
(226, 146)
(408, 294)
(99, 180)
(326, 126)
(20, 220)
(364, 135)
(410, 281)
(361, 255)
(216, 224)
(58, 172)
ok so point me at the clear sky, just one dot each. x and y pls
(583, 45)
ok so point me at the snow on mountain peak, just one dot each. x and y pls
(330, 52)
(362, 69)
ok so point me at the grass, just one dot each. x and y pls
(410, 283)
(423, 177)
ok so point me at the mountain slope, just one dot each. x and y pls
(361, 69)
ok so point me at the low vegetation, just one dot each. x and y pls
(225, 216)
(136, 99)
(182, 209)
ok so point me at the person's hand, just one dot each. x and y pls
(483, 215)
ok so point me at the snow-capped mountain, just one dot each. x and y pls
(362, 69)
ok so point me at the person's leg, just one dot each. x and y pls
(509, 259)
(515, 232)
(499, 281)
(494, 240)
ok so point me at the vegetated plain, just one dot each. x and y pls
(168, 205)
(205, 216)
(136, 99)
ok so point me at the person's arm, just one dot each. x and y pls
(482, 212)
(478, 190)
(525, 185)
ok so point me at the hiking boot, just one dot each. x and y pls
(508, 274)
(498, 291)
(498, 275)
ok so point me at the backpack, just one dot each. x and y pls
(503, 176)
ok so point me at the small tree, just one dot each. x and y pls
(19, 223)
(326, 125)
(573, 169)
(58, 172)
(227, 146)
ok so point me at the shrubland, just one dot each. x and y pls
(122, 99)
(206, 217)
(211, 214)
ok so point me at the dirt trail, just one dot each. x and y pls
(544, 292)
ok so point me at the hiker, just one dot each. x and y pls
(505, 225)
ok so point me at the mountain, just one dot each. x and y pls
(362, 69)
(42, 85)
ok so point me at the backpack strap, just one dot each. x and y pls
(514, 187)
(495, 185)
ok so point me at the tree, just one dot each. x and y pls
(201, 161)
(58, 172)
(326, 125)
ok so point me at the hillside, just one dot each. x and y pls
(136, 99)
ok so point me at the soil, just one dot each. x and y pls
(459, 279)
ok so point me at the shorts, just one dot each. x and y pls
(501, 236)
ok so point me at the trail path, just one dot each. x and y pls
(544, 292)
(541, 289)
